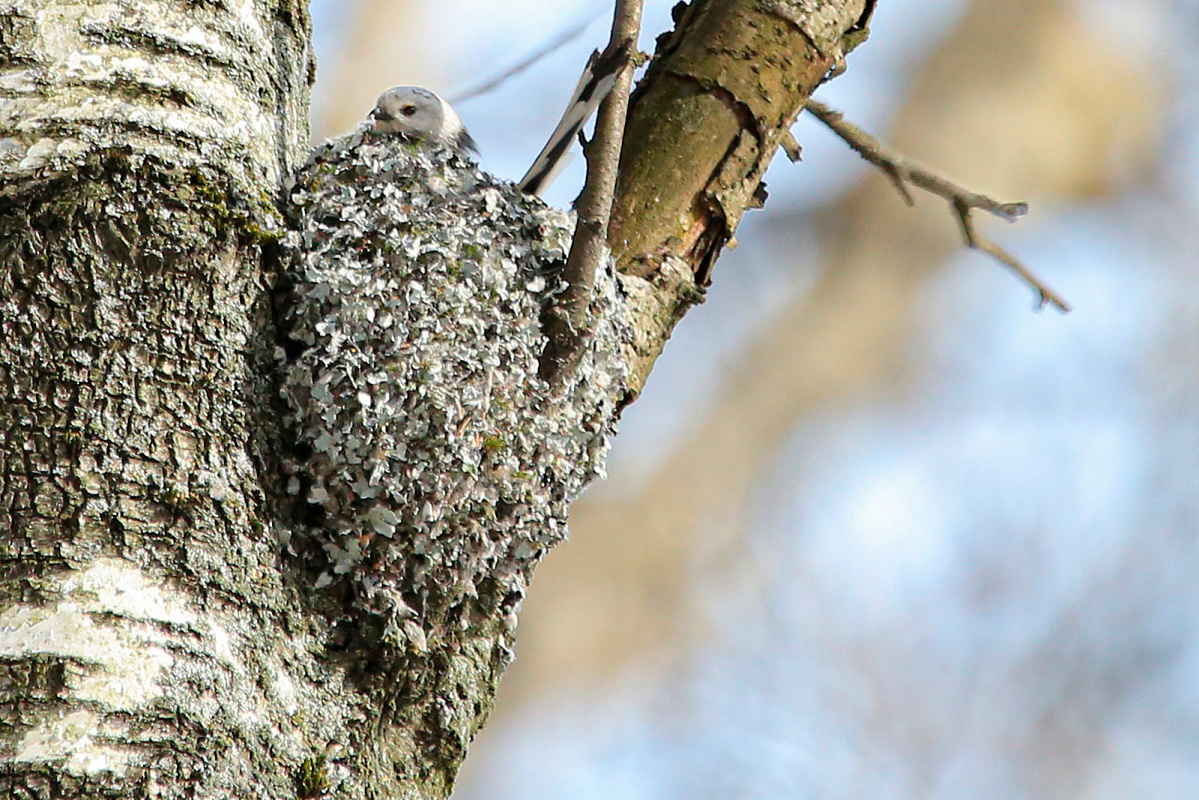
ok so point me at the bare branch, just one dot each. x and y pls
(563, 39)
(594, 206)
(791, 147)
(963, 201)
(1046, 295)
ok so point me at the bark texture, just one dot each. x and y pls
(149, 644)
(154, 640)
(703, 126)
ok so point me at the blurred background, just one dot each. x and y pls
(877, 528)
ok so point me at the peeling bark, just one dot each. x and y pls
(723, 90)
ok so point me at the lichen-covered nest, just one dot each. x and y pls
(417, 288)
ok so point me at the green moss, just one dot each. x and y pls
(178, 502)
(260, 234)
(854, 38)
(312, 779)
(255, 218)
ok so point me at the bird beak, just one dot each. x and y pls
(380, 115)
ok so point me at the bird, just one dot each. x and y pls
(418, 113)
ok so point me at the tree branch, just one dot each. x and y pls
(963, 201)
(703, 126)
(565, 326)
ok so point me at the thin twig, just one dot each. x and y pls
(963, 201)
(563, 39)
(566, 326)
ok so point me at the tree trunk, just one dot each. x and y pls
(155, 638)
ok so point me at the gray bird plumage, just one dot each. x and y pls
(421, 114)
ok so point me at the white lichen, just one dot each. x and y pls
(443, 463)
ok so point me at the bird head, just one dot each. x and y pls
(419, 114)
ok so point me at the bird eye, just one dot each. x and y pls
(408, 111)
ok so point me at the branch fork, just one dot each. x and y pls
(904, 174)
